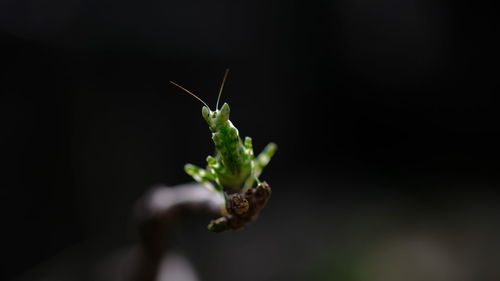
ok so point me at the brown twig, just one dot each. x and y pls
(157, 213)
(160, 209)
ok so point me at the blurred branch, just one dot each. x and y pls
(157, 214)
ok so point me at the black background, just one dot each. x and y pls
(369, 102)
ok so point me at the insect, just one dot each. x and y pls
(233, 172)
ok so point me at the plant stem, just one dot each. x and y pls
(157, 214)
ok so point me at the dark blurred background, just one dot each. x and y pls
(385, 113)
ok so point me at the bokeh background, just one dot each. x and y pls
(385, 113)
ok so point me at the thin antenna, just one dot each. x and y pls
(221, 87)
(187, 91)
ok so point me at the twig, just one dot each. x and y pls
(157, 213)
